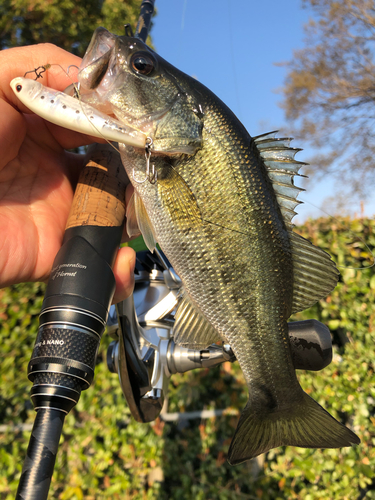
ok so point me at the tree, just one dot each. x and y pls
(66, 23)
(329, 90)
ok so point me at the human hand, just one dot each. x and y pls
(38, 175)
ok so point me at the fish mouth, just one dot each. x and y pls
(103, 71)
(123, 78)
(95, 62)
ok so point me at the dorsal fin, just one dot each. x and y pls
(191, 329)
(281, 166)
(315, 274)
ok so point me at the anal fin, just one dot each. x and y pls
(191, 329)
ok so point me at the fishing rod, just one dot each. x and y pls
(144, 21)
(74, 312)
(76, 307)
(76, 304)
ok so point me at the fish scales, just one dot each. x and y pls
(249, 281)
(239, 290)
(224, 223)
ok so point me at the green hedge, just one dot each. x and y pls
(105, 454)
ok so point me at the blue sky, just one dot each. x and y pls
(232, 46)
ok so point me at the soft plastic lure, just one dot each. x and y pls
(73, 114)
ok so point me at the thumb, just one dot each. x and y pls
(123, 270)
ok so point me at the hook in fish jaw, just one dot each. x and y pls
(76, 85)
(151, 172)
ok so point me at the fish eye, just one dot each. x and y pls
(142, 63)
(19, 88)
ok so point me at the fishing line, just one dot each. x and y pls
(233, 62)
(334, 218)
(183, 15)
(238, 231)
(151, 173)
(78, 96)
(182, 28)
(47, 66)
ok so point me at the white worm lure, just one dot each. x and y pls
(68, 112)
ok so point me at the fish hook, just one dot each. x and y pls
(151, 173)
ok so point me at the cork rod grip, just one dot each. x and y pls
(99, 199)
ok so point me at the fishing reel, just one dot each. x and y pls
(145, 356)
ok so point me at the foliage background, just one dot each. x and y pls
(105, 454)
(69, 24)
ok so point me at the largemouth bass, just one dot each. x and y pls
(220, 204)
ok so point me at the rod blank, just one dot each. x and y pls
(144, 21)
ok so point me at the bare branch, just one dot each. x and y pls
(329, 91)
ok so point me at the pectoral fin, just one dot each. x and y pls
(177, 197)
(137, 221)
(131, 219)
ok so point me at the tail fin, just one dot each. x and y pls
(307, 425)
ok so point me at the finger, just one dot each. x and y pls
(123, 270)
(69, 139)
(17, 61)
(12, 132)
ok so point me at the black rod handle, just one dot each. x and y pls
(74, 311)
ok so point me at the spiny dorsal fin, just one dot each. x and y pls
(191, 329)
(281, 166)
